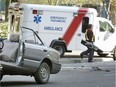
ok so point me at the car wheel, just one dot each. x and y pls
(60, 49)
(43, 74)
(114, 54)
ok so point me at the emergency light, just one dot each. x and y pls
(34, 12)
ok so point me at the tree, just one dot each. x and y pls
(108, 4)
(113, 11)
(6, 11)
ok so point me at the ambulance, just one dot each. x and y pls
(62, 27)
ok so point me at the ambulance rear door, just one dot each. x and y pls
(31, 17)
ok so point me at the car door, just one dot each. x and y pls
(34, 52)
(34, 49)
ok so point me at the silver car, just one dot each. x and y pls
(25, 54)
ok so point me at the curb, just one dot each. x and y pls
(84, 60)
(88, 66)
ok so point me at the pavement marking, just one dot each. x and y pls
(76, 68)
(110, 75)
(68, 68)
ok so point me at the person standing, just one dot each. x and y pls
(89, 37)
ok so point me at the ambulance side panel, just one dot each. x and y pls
(54, 24)
(51, 23)
(28, 19)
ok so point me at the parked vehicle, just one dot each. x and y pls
(64, 27)
(26, 54)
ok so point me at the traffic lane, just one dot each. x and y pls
(17, 81)
(87, 78)
(66, 78)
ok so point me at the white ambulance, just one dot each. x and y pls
(63, 27)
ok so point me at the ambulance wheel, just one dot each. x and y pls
(114, 54)
(1, 44)
(60, 49)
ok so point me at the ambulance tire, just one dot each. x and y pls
(1, 45)
(114, 54)
(60, 49)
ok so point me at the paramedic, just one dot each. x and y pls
(89, 37)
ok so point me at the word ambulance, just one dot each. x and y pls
(63, 28)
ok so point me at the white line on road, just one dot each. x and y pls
(109, 75)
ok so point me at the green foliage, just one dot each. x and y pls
(58, 2)
(3, 30)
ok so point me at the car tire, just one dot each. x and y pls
(60, 49)
(43, 73)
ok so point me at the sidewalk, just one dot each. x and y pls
(74, 57)
(73, 61)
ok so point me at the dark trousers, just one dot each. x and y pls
(89, 52)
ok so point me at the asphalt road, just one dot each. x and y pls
(96, 74)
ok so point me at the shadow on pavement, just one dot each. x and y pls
(15, 83)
